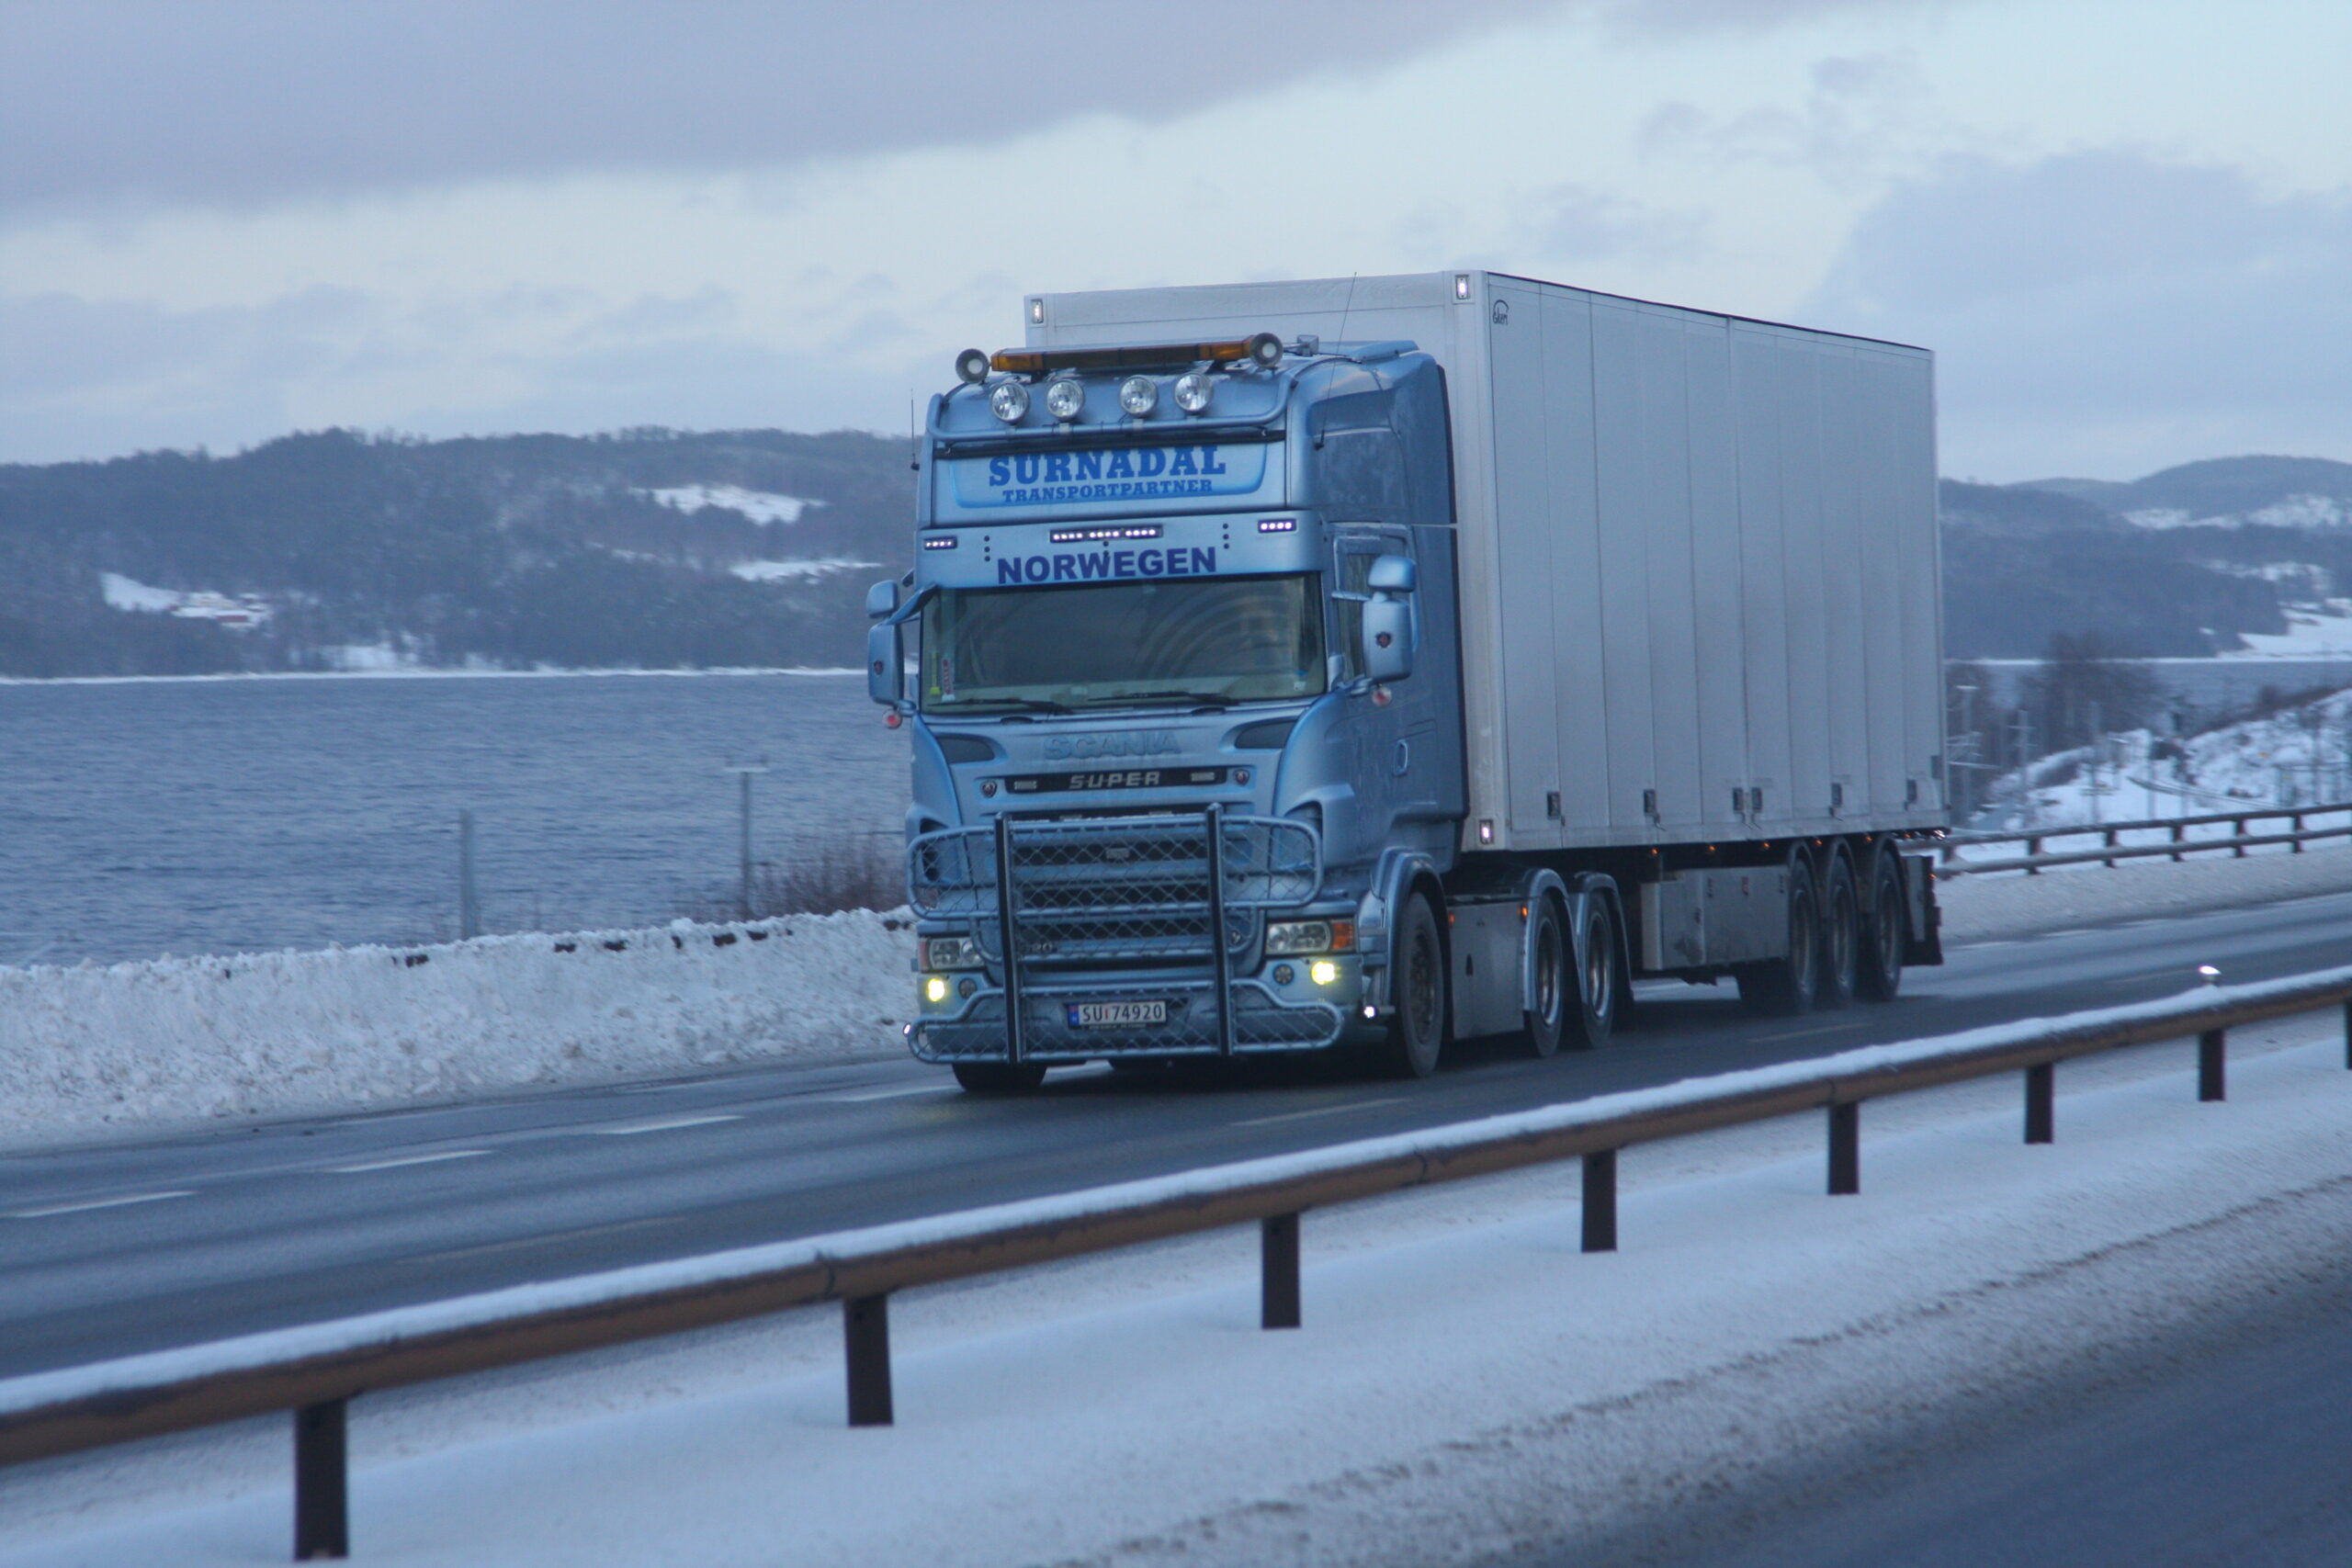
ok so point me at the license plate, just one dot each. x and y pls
(1116, 1015)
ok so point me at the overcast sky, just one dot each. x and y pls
(2124, 225)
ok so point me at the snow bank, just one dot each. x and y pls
(275, 1033)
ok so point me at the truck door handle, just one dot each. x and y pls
(1400, 760)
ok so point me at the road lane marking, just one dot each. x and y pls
(397, 1161)
(661, 1124)
(1319, 1110)
(85, 1204)
(888, 1094)
(551, 1238)
(1801, 1033)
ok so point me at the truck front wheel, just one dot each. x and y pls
(1417, 1033)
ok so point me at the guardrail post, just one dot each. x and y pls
(321, 1493)
(2296, 823)
(2110, 862)
(1278, 1271)
(2210, 1048)
(2237, 830)
(1845, 1147)
(2032, 848)
(2042, 1103)
(1600, 1200)
(2348, 1035)
(2179, 835)
(865, 1339)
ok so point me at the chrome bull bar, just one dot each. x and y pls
(1173, 892)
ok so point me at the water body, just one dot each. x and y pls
(144, 817)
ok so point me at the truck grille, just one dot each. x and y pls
(1120, 890)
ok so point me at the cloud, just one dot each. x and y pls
(2140, 311)
(241, 103)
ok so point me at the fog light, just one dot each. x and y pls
(1284, 973)
(967, 985)
(935, 988)
(1323, 972)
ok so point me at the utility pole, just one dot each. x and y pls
(468, 903)
(743, 772)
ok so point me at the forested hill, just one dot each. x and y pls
(660, 549)
(333, 550)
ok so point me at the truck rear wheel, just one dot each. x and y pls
(1887, 919)
(1841, 933)
(1417, 1033)
(1599, 1000)
(998, 1077)
(1784, 987)
(1555, 979)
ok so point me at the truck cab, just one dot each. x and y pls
(1177, 660)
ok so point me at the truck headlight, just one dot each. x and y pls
(1309, 936)
(949, 952)
(1138, 395)
(1009, 400)
(1194, 390)
(1065, 399)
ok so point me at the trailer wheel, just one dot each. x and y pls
(1784, 987)
(1886, 919)
(1417, 1034)
(1555, 977)
(1599, 997)
(998, 1077)
(1841, 933)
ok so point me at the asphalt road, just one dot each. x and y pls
(111, 1250)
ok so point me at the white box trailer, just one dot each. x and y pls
(1699, 582)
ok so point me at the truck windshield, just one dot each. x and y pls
(1217, 639)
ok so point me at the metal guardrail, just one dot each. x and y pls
(314, 1371)
(2238, 841)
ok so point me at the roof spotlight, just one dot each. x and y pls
(1138, 395)
(1194, 390)
(1065, 399)
(972, 366)
(1009, 400)
(1266, 349)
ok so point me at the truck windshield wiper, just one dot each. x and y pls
(1215, 698)
(1018, 704)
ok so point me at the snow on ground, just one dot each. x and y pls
(196, 604)
(2294, 512)
(2295, 757)
(86, 1051)
(2311, 631)
(1467, 1384)
(759, 505)
(787, 570)
(2008, 906)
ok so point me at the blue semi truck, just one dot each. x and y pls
(1362, 664)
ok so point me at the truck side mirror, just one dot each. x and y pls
(1387, 651)
(884, 662)
(881, 599)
